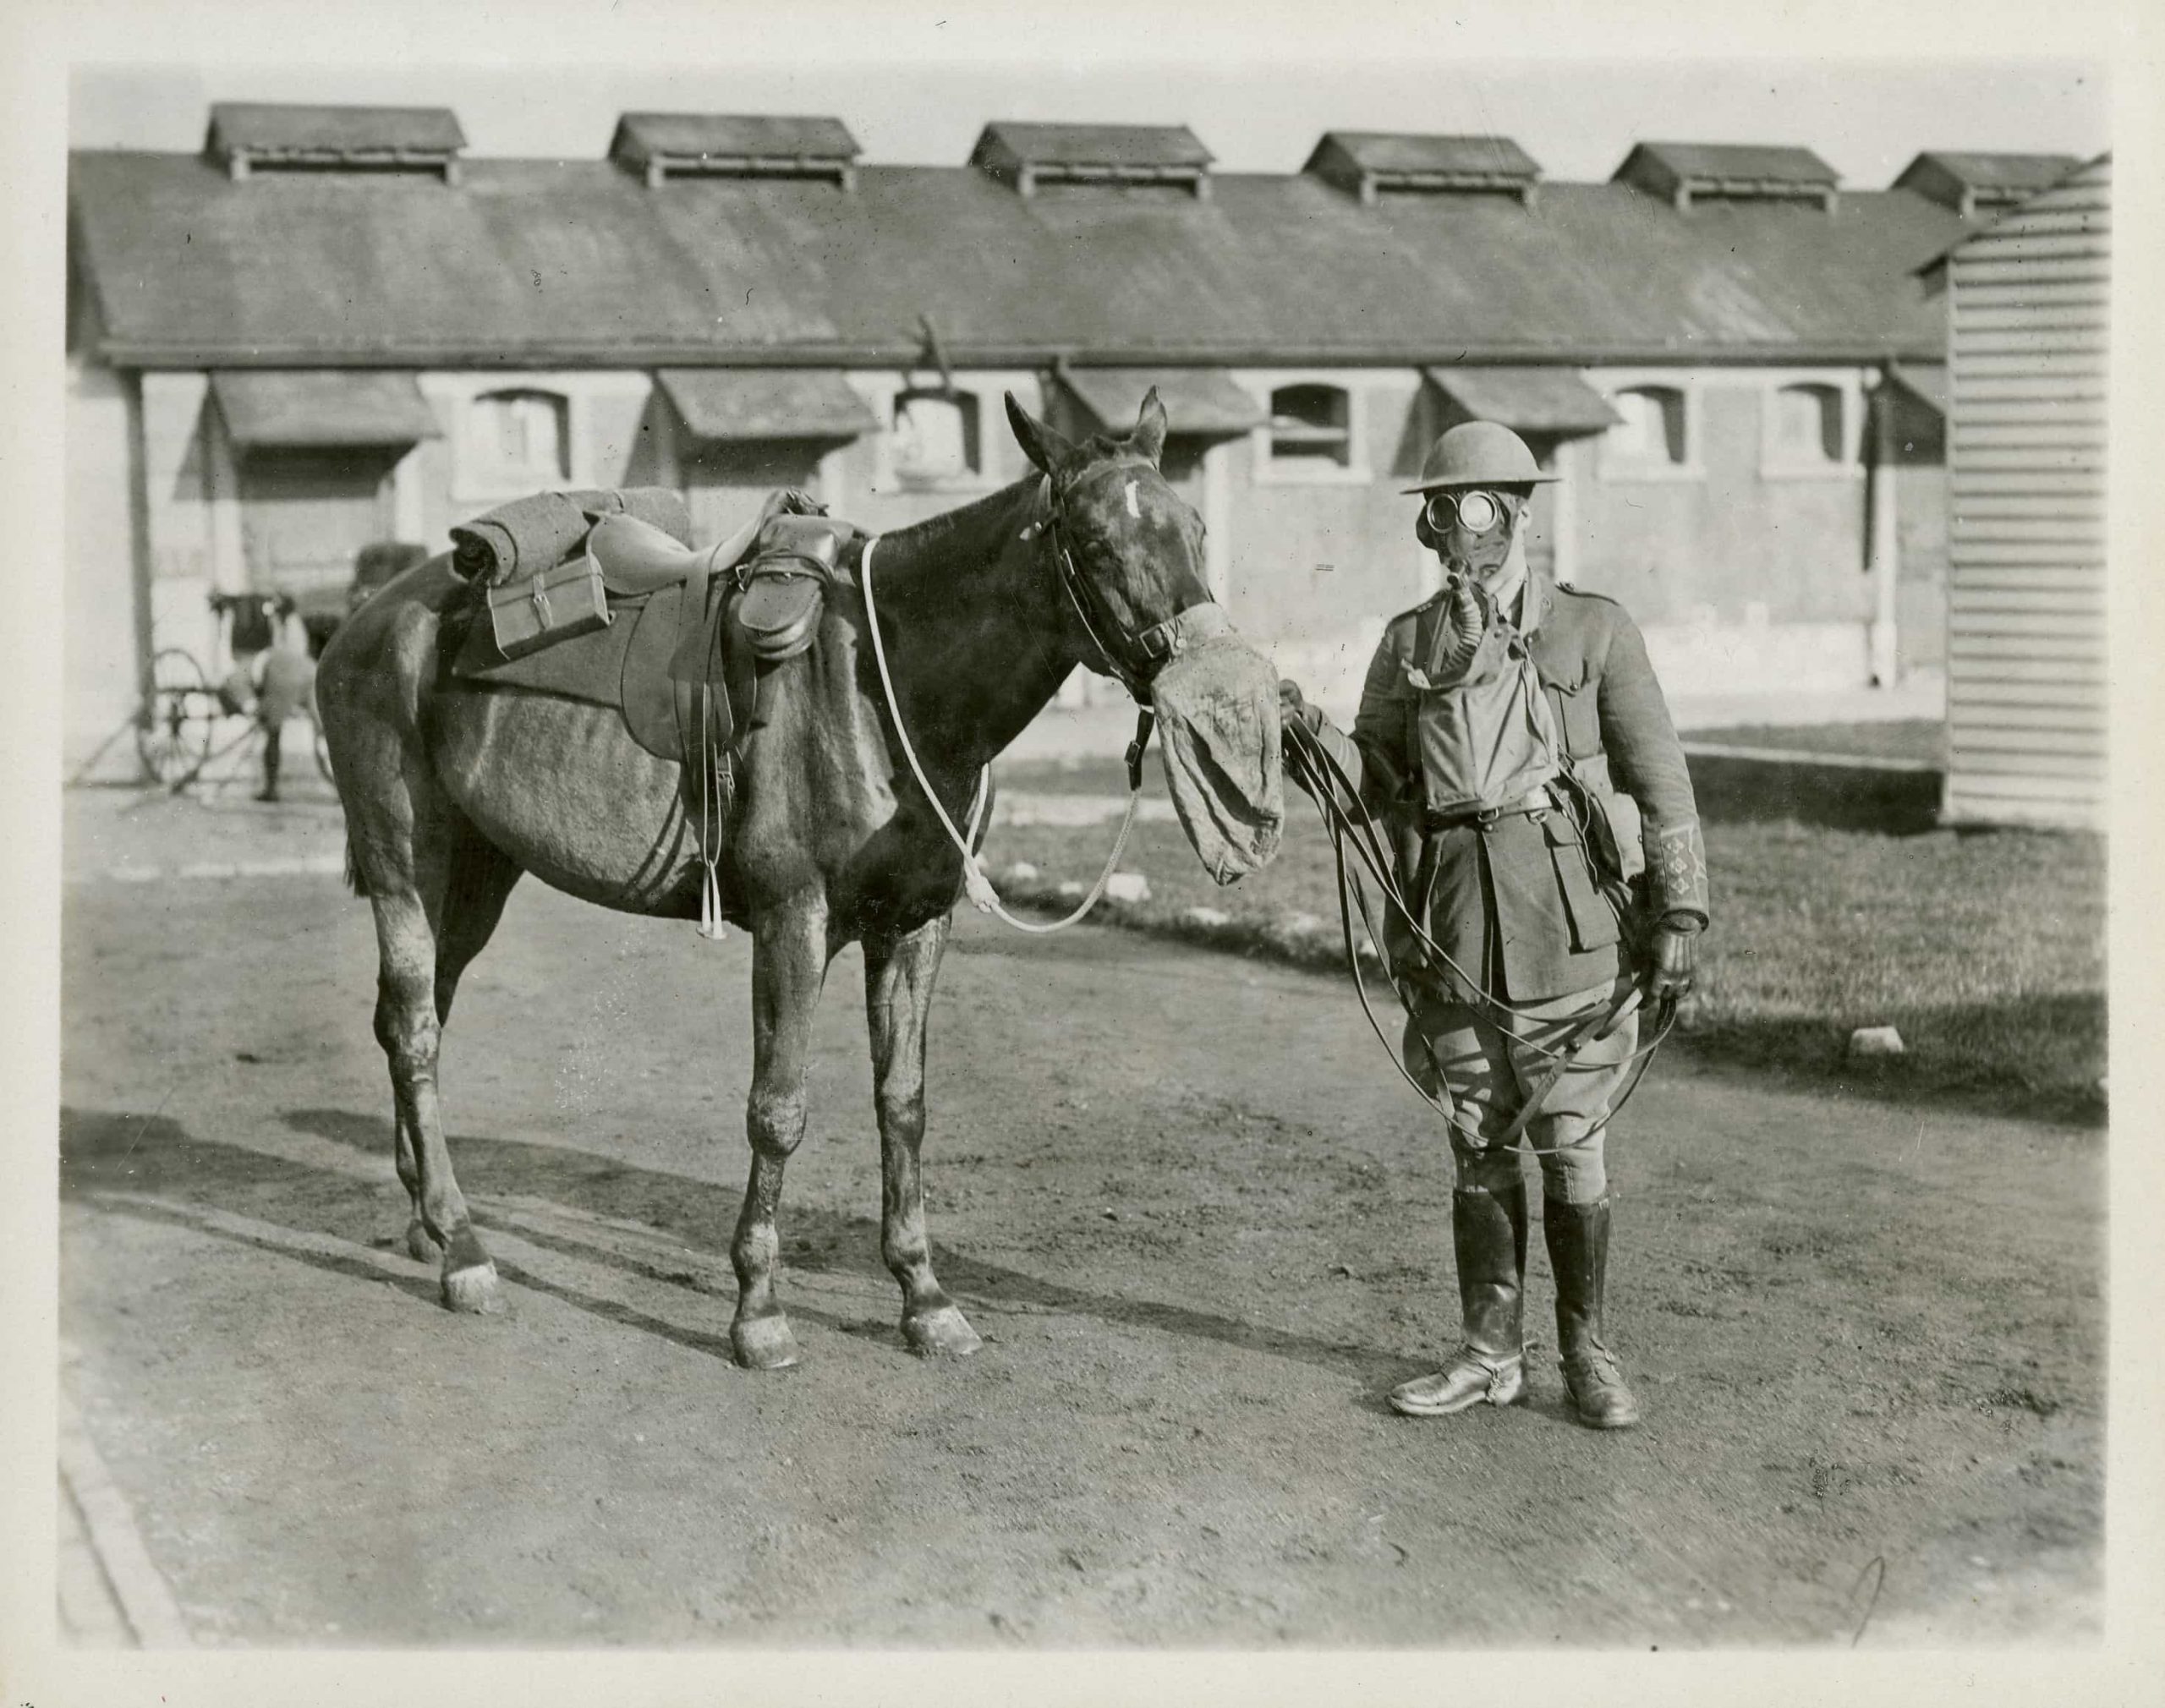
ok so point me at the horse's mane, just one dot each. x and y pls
(935, 533)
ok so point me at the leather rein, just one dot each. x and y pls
(1323, 772)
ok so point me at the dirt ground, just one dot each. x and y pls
(1202, 1228)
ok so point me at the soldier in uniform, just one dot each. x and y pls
(1497, 722)
(273, 678)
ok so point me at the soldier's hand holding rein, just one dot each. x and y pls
(1293, 707)
(1676, 956)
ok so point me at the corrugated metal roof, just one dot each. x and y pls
(1196, 400)
(336, 406)
(643, 136)
(1094, 144)
(1534, 400)
(1387, 151)
(531, 262)
(272, 128)
(1715, 162)
(736, 403)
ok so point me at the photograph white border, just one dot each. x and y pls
(38, 40)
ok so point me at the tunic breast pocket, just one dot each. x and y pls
(1593, 921)
(1578, 704)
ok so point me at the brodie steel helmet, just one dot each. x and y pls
(1479, 453)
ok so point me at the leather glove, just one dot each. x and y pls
(1675, 959)
(1293, 707)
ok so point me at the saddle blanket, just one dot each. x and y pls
(588, 667)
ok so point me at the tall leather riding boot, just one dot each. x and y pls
(1577, 1237)
(1489, 1233)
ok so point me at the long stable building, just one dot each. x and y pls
(330, 328)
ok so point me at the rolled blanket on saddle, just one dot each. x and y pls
(531, 535)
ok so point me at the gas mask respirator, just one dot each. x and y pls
(1472, 532)
(1486, 734)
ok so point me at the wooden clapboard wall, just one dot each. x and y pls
(2026, 700)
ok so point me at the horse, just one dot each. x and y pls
(452, 792)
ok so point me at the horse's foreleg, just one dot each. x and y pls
(406, 1026)
(789, 968)
(898, 974)
(479, 882)
(420, 1244)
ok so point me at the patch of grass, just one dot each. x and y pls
(1922, 739)
(1985, 949)
(1078, 776)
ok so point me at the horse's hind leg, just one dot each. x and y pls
(789, 968)
(478, 881)
(899, 973)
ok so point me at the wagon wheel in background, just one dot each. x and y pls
(173, 729)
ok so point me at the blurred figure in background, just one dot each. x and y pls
(272, 680)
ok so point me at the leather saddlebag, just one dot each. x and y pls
(554, 605)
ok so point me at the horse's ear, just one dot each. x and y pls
(1149, 437)
(1043, 445)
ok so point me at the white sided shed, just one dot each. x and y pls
(2027, 348)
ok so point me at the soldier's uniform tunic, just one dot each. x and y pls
(1513, 899)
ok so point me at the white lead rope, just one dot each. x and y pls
(982, 895)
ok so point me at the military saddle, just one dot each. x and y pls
(682, 639)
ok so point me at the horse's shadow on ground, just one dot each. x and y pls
(165, 1173)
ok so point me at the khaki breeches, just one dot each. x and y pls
(1487, 1060)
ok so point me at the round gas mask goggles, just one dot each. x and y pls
(1475, 511)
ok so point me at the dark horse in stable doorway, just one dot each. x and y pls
(452, 789)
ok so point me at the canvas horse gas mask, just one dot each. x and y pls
(1127, 554)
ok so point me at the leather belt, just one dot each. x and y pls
(1535, 802)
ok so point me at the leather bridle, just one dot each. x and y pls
(1156, 646)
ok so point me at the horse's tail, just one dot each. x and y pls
(354, 881)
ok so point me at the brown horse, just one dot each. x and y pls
(452, 789)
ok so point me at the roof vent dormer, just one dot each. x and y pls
(662, 145)
(1371, 164)
(1030, 157)
(1974, 183)
(248, 137)
(1682, 173)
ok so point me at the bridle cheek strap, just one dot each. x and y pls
(1159, 644)
(1163, 643)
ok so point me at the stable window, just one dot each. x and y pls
(935, 436)
(1805, 426)
(517, 440)
(1651, 430)
(1311, 427)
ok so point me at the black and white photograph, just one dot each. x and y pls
(1082, 854)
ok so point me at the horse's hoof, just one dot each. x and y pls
(764, 1343)
(945, 1332)
(421, 1245)
(475, 1290)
